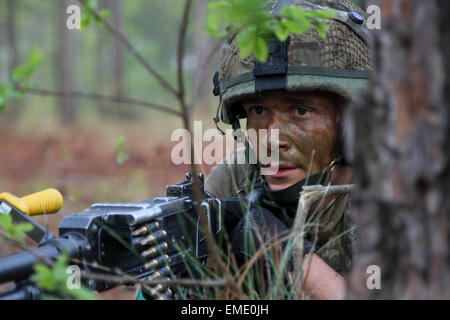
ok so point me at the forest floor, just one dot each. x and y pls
(82, 164)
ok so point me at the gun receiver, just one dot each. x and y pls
(148, 238)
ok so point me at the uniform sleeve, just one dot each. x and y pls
(219, 182)
(335, 236)
(227, 178)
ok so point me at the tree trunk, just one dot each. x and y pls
(117, 12)
(203, 46)
(401, 155)
(12, 34)
(66, 69)
(14, 106)
(117, 70)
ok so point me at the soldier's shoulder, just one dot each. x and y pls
(230, 175)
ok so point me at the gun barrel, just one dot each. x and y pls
(19, 266)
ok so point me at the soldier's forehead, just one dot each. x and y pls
(289, 97)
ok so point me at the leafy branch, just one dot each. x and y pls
(253, 21)
(121, 155)
(54, 279)
(125, 42)
(21, 78)
(13, 231)
(89, 14)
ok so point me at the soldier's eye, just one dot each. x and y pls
(258, 110)
(300, 111)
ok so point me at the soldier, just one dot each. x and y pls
(301, 91)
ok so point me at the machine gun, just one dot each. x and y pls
(144, 239)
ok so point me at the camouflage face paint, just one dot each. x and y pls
(307, 123)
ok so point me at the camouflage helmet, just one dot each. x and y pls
(338, 64)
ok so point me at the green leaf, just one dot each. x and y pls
(83, 294)
(49, 297)
(14, 231)
(6, 221)
(292, 27)
(23, 227)
(252, 18)
(217, 11)
(120, 142)
(61, 263)
(261, 49)
(85, 20)
(281, 32)
(292, 12)
(21, 74)
(121, 156)
(43, 277)
(92, 4)
(104, 13)
(87, 15)
(2, 103)
(247, 42)
(219, 6)
(36, 57)
(54, 279)
(322, 29)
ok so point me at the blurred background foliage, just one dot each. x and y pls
(97, 62)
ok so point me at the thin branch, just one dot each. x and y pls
(210, 244)
(121, 37)
(100, 97)
(181, 48)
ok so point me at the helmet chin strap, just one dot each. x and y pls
(216, 119)
(238, 134)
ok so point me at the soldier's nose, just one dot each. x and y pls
(274, 138)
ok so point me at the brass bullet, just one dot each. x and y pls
(146, 229)
(159, 273)
(168, 293)
(150, 253)
(156, 262)
(153, 238)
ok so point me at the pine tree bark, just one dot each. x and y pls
(399, 137)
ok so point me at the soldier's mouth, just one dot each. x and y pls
(284, 171)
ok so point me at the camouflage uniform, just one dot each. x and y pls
(334, 236)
